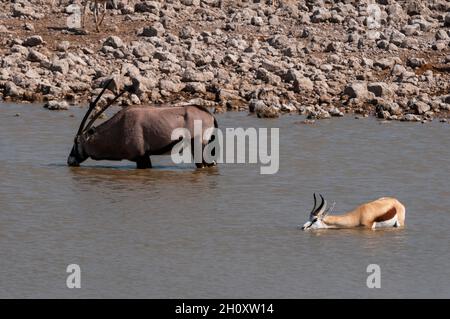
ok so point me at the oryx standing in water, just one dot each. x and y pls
(137, 132)
(380, 213)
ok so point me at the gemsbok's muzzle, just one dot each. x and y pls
(72, 161)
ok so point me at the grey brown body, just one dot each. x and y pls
(135, 133)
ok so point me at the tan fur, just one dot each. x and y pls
(367, 214)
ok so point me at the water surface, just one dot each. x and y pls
(226, 232)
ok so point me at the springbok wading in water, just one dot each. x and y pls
(381, 213)
(137, 132)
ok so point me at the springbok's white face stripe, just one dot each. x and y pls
(316, 223)
(306, 225)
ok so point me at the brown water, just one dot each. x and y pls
(175, 231)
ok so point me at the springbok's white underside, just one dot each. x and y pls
(393, 222)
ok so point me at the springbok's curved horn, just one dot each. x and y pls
(322, 207)
(91, 107)
(103, 109)
(314, 208)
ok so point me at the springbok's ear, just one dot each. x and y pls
(328, 210)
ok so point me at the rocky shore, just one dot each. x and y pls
(318, 58)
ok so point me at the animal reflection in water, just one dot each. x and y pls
(136, 133)
(385, 212)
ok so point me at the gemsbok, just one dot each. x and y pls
(137, 132)
(381, 213)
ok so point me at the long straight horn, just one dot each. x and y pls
(103, 109)
(322, 207)
(315, 202)
(91, 107)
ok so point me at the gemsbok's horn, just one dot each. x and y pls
(103, 109)
(91, 107)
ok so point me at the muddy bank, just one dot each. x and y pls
(318, 58)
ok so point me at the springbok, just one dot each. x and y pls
(96, 11)
(381, 213)
(84, 4)
(135, 133)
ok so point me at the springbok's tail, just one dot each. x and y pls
(401, 213)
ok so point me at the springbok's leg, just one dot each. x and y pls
(96, 16)
(83, 15)
(143, 162)
(103, 14)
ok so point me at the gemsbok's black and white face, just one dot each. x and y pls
(316, 216)
(77, 154)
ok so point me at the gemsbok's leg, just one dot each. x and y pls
(203, 163)
(213, 152)
(143, 162)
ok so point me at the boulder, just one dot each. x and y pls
(420, 107)
(447, 20)
(56, 105)
(195, 3)
(257, 21)
(61, 66)
(148, 6)
(357, 90)
(155, 30)
(33, 41)
(114, 42)
(170, 86)
(20, 10)
(141, 84)
(320, 15)
(415, 62)
(302, 84)
(411, 118)
(380, 89)
(191, 75)
(397, 38)
(63, 46)
(264, 111)
(384, 63)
